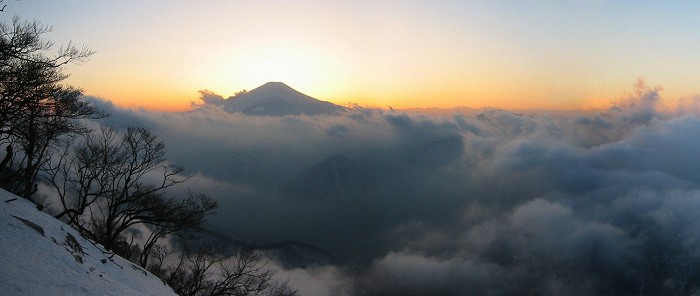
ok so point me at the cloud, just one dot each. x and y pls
(209, 98)
(539, 248)
(319, 280)
(495, 202)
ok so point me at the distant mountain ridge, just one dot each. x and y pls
(278, 99)
(288, 252)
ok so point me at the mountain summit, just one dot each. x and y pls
(278, 99)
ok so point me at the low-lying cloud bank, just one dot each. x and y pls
(494, 203)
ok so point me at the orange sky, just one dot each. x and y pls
(505, 54)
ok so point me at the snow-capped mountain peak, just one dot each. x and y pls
(278, 99)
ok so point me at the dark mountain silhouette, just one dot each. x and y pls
(290, 253)
(336, 176)
(296, 254)
(435, 153)
(340, 199)
(278, 99)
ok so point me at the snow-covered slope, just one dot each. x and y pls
(278, 99)
(40, 255)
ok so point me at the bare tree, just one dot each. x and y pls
(106, 182)
(35, 109)
(173, 216)
(81, 174)
(206, 273)
(111, 182)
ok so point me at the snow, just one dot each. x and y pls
(278, 99)
(43, 256)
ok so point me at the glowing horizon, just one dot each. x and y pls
(577, 54)
(436, 101)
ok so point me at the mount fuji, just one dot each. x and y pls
(278, 99)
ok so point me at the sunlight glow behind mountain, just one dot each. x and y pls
(573, 54)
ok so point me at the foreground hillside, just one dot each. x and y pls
(43, 256)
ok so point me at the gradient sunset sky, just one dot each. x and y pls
(505, 54)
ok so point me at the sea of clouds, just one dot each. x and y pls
(598, 202)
